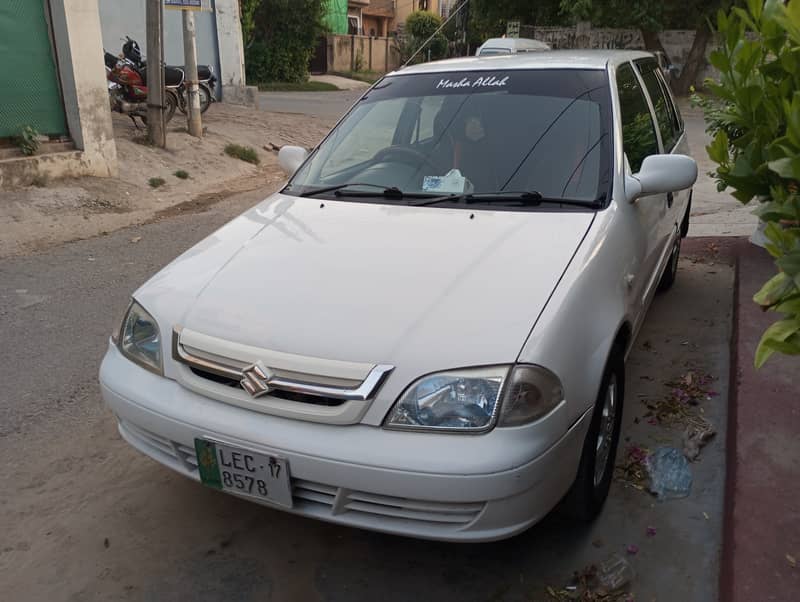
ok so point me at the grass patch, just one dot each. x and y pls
(308, 86)
(156, 182)
(369, 77)
(245, 153)
(181, 174)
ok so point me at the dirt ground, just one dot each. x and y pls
(35, 218)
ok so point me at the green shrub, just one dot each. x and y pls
(245, 153)
(754, 118)
(183, 175)
(28, 141)
(420, 26)
(283, 36)
(156, 182)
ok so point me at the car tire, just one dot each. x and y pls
(588, 493)
(671, 271)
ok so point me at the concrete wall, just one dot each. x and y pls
(676, 42)
(78, 48)
(376, 54)
(219, 37)
(231, 49)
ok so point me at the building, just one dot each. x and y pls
(53, 84)
(403, 8)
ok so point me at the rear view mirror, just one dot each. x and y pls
(661, 174)
(291, 158)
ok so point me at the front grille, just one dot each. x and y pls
(286, 395)
(319, 499)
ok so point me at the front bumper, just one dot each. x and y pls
(343, 474)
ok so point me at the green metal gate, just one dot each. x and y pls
(29, 90)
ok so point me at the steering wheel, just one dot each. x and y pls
(405, 154)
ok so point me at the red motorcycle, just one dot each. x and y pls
(127, 88)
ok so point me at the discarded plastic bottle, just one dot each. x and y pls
(615, 573)
(670, 475)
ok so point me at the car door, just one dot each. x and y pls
(673, 139)
(640, 140)
(670, 126)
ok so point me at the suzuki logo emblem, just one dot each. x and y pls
(255, 379)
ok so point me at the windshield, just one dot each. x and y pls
(472, 132)
(494, 51)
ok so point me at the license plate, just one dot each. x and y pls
(244, 472)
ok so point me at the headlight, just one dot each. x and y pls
(530, 393)
(462, 400)
(473, 400)
(140, 340)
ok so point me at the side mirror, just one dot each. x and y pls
(291, 158)
(660, 174)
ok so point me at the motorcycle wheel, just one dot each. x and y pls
(170, 105)
(205, 99)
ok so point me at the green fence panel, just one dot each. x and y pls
(29, 89)
(336, 16)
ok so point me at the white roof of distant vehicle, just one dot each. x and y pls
(519, 44)
(546, 59)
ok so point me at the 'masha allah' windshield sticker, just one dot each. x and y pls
(488, 81)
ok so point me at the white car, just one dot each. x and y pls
(504, 46)
(424, 332)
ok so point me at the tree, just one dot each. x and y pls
(420, 26)
(488, 18)
(754, 118)
(651, 17)
(283, 34)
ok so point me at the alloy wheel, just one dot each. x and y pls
(605, 434)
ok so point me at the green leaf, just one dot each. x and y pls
(776, 333)
(773, 290)
(786, 167)
(790, 346)
(720, 60)
(718, 149)
(790, 264)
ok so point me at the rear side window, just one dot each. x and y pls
(665, 112)
(638, 134)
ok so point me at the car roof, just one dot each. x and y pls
(513, 43)
(545, 59)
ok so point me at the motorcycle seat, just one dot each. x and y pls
(203, 71)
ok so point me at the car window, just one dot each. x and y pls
(494, 51)
(664, 113)
(638, 133)
(543, 130)
(378, 123)
(429, 109)
(677, 120)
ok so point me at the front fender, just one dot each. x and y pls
(575, 333)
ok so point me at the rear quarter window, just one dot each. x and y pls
(638, 131)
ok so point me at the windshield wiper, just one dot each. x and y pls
(529, 198)
(390, 192)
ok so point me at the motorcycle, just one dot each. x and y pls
(127, 88)
(205, 76)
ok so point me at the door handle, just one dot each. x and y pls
(670, 200)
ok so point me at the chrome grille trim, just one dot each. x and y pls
(362, 392)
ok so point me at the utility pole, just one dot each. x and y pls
(194, 121)
(156, 131)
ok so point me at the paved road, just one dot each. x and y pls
(84, 517)
(319, 104)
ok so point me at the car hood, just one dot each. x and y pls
(419, 288)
